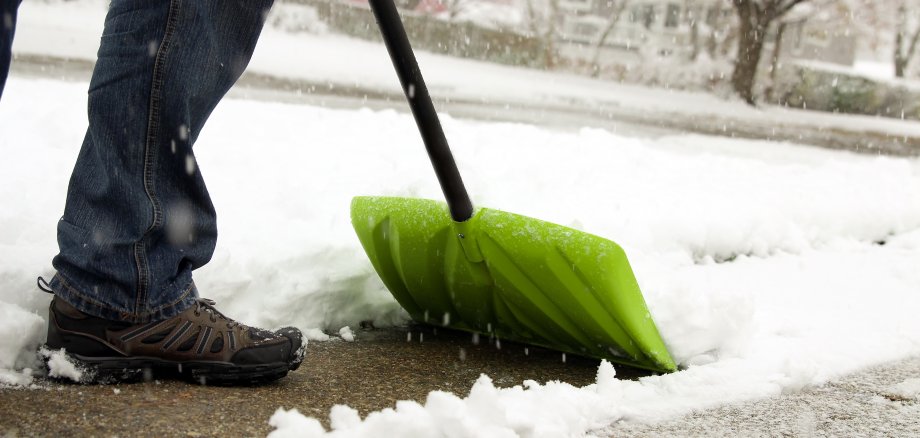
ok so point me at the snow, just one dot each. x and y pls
(292, 424)
(315, 334)
(492, 14)
(21, 331)
(908, 389)
(768, 267)
(760, 261)
(876, 71)
(346, 334)
(60, 366)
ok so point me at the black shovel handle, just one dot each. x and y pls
(394, 35)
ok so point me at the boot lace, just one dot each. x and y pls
(207, 306)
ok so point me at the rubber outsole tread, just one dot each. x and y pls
(125, 370)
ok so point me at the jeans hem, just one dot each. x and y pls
(85, 303)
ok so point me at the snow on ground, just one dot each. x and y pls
(876, 71)
(768, 267)
(908, 389)
(22, 333)
(497, 15)
(60, 366)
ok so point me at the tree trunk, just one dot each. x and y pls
(614, 19)
(750, 46)
(904, 50)
(754, 18)
(899, 63)
(691, 13)
(774, 62)
(903, 56)
(554, 19)
(549, 53)
(544, 28)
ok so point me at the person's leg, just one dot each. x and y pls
(8, 10)
(138, 217)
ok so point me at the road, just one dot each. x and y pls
(859, 405)
(567, 116)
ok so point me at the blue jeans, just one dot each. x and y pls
(138, 218)
(7, 29)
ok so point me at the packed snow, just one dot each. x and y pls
(768, 267)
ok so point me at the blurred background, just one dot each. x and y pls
(850, 56)
(782, 70)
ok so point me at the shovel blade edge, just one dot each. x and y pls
(510, 276)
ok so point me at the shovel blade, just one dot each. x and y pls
(512, 277)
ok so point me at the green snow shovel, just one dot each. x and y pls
(498, 273)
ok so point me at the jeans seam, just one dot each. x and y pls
(150, 149)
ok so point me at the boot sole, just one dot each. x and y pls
(128, 369)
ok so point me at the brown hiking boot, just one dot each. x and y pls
(199, 343)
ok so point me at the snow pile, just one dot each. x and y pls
(346, 334)
(315, 334)
(486, 412)
(20, 333)
(60, 366)
(554, 409)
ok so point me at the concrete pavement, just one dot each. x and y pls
(379, 368)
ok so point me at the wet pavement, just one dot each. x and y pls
(865, 404)
(384, 366)
(379, 368)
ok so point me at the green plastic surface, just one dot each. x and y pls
(510, 276)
